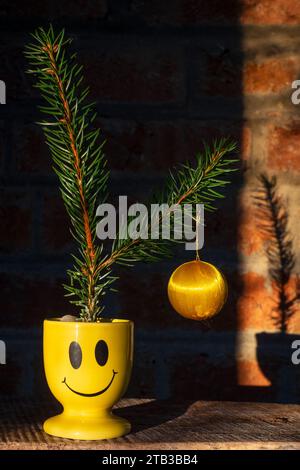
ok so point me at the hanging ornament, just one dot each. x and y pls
(197, 290)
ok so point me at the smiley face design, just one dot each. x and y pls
(101, 357)
(88, 366)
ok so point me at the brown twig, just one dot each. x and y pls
(67, 121)
(116, 254)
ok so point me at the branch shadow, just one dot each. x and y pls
(274, 350)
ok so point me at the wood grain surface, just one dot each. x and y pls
(165, 425)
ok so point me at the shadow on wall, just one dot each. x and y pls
(274, 350)
(184, 358)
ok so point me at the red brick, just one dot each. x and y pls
(193, 12)
(16, 220)
(176, 142)
(271, 76)
(292, 291)
(166, 145)
(249, 306)
(250, 373)
(223, 76)
(30, 152)
(55, 225)
(227, 76)
(10, 381)
(270, 12)
(227, 228)
(139, 146)
(221, 227)
(126, 144)
(195, 376)
(186, 12)
(256, 303)
(226, 320)
(158, 146)
(144, 299)
(214, 11)
(28, 300)
(283, 147)
(54, 9)
(156, 12)
(251, 238)
(194, 133)
(13, 68)
(81, 9)
(135, 75)
(24, 10)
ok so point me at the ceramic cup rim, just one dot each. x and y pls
(112, 321)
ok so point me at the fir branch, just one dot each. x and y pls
(78, 159)
(81, 168)
(187, 185)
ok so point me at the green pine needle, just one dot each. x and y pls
(80, 165)
(78, 160)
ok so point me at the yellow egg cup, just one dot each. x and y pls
(88, 367)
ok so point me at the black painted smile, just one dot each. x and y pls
(96, 394)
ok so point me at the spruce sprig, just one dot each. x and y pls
(187, 185)
(78, 160)
(81, 167)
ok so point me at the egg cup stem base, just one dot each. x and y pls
(87, 428)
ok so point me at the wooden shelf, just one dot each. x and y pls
(165, 425)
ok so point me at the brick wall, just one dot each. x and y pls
(165, 75)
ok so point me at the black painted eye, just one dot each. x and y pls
(101, 352)
(75, 354)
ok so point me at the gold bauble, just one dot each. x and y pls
(197, 290)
